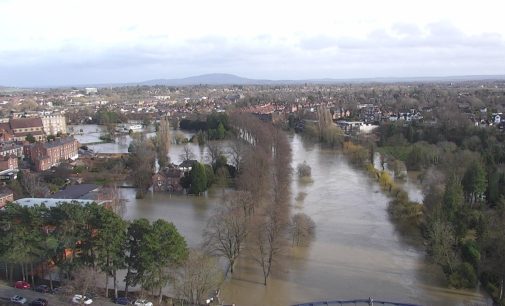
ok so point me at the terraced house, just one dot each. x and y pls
(45, 155)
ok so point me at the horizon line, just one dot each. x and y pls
(264, 81)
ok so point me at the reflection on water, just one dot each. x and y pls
(356, 252)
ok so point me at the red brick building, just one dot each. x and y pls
(9, 162)
(48, 154)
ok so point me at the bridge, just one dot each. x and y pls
(369, 302)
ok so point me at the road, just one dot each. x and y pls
(7, 292)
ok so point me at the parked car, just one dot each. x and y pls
(39, 302)
(56, 290)
(18, 299)
(42, 289)
(78, 298)
(142, 303)
(122, 300)
(22, 285)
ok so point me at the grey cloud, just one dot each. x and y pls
(439, 35)
(318, 42)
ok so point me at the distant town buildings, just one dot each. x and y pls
(90, 90)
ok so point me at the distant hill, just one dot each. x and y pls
(231, 79)
(206, 79)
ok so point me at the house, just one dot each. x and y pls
(187, 165)
(11, 148)
(22, 127)
(48, 154)
(168, 179)
(6, 196)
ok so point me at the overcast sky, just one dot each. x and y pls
(64, 42)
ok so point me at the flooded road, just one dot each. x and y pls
(356, 253)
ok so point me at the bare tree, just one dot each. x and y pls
(198, 276)
(112, 195)
(187, 153)
(213, 152)
(301, 229)
(33, 185)
(242, 199)
(141, 161)
(442, 245)
(226, 232)
(236, 151)
(267, 242)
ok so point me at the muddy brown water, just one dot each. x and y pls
(357, 251)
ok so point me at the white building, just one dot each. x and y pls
(90, 90)
(54, 124)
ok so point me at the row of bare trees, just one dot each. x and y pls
(256, 217)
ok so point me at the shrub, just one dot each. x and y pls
(463, 277)
(304, 170)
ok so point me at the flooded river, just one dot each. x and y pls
(356, 253)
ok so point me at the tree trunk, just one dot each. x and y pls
(11, 268)
(23, 272)
(161, 296)
(115, 284)
(33, 277)
(50, 278)
(106, 284)
(501, 290)
(232, 262)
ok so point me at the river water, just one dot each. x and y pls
(356, 253)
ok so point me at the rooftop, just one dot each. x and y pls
(25, 123)
(31, 202)
(74, 191)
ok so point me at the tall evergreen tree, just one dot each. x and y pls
(198, 178)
